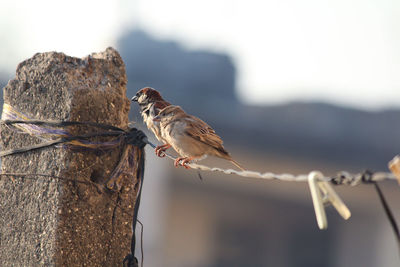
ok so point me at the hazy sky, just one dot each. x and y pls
(340, 51)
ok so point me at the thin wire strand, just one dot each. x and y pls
(346, 177)
(45, 175)
(141, 242)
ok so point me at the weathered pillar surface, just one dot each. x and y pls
(46, 221)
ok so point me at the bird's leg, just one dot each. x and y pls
(177, 161)
(184, 161)
(161, 149)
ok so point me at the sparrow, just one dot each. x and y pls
(151, 102)
(192, 138)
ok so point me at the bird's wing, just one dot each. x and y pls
(201, 131)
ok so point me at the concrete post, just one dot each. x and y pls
(53, 222)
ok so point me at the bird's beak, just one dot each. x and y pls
(135, 98)
(157, 118)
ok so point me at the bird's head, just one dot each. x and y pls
(147, 95)
(168, 113)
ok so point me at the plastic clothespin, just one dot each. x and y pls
(322, 193)
(394, 166)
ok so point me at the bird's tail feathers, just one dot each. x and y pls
(222, 153)
(237, 164)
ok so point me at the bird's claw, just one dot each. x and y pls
(177, 161)
(160, 150)
(182, 161)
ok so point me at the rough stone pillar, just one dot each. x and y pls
(52, 222)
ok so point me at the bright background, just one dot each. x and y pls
(291, 86)
(342, 52)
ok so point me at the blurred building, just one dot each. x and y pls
(230, 221)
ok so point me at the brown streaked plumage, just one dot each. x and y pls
(191, 137)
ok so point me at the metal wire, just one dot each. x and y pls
(342, 177)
